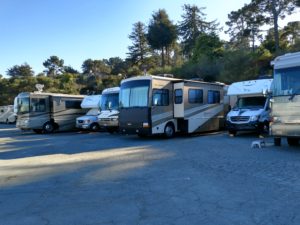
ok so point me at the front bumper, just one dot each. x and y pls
(242, 126)
(83, 126)
(106, 123)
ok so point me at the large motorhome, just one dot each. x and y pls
(162, 105)
(90, 120)
(109, 115)
(285, 104)
(7, 114)
(251, 111)
(47, 112)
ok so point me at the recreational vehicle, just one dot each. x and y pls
(7, 114)
(251, 111)
(109, 115)
(162, 105)
(90, 120)
(47, 112)
(285, 104)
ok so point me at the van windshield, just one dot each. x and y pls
(110, 101)
(23, 105)
(93, 112)
(134, 93)
(251, 103)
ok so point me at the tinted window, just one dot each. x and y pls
(134, 94)
(160, 97)
(73, 104)
(178, 96)
(213, 97)
(38, 105)
(195, 96)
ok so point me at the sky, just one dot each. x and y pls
(75, 30)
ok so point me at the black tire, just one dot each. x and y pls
(169, 131)
(293, 141)
(94, 127)
(48, 128)
(232, 132)
(38, 131)
(277, 141)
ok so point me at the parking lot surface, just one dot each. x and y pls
(98, 178)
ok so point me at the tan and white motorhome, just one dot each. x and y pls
(47, 112)
(285, 104)
(161, 105)
(7, 114)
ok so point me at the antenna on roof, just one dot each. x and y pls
(39, 88)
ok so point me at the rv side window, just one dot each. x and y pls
(213, 97)
(73, 104)
(38, 105)
(178, 96)
(160, 97)
(195, 96)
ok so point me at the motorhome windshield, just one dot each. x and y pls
(251, 103)
(23, 105)
(110, 101)
(134, 94)
(286, 81)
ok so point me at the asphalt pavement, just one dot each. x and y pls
(99, 178)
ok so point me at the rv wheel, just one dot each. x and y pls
(48, 128)
(94, 127)
(169, 130)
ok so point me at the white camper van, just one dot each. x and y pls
(251, 111)
(90, 120)
(7, 114)
(109, 115)
(47, 112)
(161, 105)
(285, 103)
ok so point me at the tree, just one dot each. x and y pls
(161, 33)
(117, 65)
(244, 26)
(54, 66)
(208, 45)
(70, 69)
(139, 49)
(193, 24)
(23, 70)
(95, 67)
(273, 10)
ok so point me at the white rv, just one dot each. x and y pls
(7, 114)
(109, 115)
(251, 111)
(47, 112)
(285, 103)
(90, 120)
(161, 105)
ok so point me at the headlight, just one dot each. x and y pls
(227, 117)
(254, 118)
